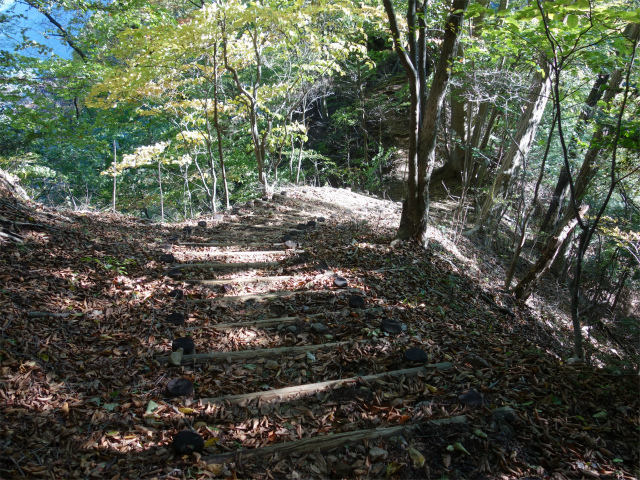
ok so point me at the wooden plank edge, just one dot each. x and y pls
(227, 265)
(326, 442)
(255, 296)
(241, 253)
(311, 388)
(222, 244)
(226, 281)
(256, 353)
(267, 322)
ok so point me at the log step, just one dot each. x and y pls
(266, 323)
(228, 281)
(233, 254)
(287, 393)
(228, 265)
(325, 442)
(256, 296)
(223, 244)
(257, 353)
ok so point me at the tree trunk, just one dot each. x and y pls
(530, 210)
(216, 125)
(559, 192)
(519, 148)
(115, 174)
(425, 108)
(161, 194)
(527, 285)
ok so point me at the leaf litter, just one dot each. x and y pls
(85, 301)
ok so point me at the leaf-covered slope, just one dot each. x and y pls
(85, 341)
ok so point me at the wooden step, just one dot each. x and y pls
(241, 253)
(228, 244)
(265, 323)
(257, 353)
(227, 265)
(255, 296)
(326, 442)
(229, 281)
(287, 393)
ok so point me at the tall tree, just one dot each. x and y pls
(513, 159)
(426, 104)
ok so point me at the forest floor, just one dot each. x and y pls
(336, 356)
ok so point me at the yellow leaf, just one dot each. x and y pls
(186, 410)
(211, 442)
(393, 468)
(215, 468)
(431, 388)
(417, 457)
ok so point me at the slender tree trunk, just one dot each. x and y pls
(161, 194)
(212, 169)
(454, 165)
(115, 174)
(216, 125)
(250, 97)
(527, 285)
(519, 148)
(530, 210)
(550, 217)
(363, 118)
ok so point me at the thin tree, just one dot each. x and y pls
(425, 105)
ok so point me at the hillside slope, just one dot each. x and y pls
(335, 356)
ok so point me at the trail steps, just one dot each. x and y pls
(230, 361)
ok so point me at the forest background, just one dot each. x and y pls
(524, 113)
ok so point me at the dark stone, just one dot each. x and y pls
(176, 318)
(356, 301)
(179, 387)
(265, 199)
(340, 282)
(286, 237)
(505, 414)
(177, 294)
(283, 193)
(319, 328)
(471, 398)
(175, 273)
(174, 238)
(294, 233)
(249, 204)
(414, 354)
(391, 326)
(301, 226)
(202, 224)
(186, 442)
(185, 343)
(341, 470)
(291, 329)
(321, 219)
(188, 230)
(322, 267)
(167, 258)
(311, 223)
(290, 244)
(476, 361)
